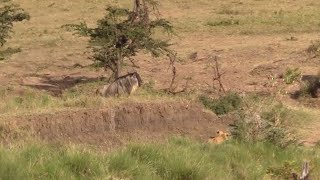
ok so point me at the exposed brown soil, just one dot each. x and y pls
(114, 126)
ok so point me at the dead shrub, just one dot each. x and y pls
(314, 48)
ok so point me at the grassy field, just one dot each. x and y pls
(30, 101)
(177, 159)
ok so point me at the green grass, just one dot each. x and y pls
(179, 158)
(8, 52)
(248, 17)
(266, 22)
(291, 75)
(40, 162)
(223, 105)
(31, 100)
(17, 101)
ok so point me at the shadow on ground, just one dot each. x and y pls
(56, 85)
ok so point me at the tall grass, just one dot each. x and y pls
(179, 158)
(30, 100)
(40, 162)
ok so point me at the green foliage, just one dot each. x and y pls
(176, 159)
(8, 15)
(148, 88)
(274, 113)
(291, 75)
(266, 124)
(284, 171)
(80, 29)
(30, 100)
(223, 105)
(8, 52)
(121, 34)
(41, 162)
(224, 22)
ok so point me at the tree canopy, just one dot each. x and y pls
(122, 33)
(10, 13)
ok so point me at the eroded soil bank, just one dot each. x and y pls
(114, 126)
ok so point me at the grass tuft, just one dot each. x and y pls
(8, 52)
(229, 102)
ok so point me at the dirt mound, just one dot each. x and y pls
(121, 124)
(266, 70)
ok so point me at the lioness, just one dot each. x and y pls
(219, 138)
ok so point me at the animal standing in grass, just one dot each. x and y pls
(126, 84)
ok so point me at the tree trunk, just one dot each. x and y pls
(119, 61)
(136, 5)
(140, 12)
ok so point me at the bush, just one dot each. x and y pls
(311, 87)
(284, 171)
(308, 87)
(266, 124)
(8, 15)
(229, 102)
(291, 75)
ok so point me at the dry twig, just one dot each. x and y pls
(217, 75)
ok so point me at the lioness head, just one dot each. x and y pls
(220, 137)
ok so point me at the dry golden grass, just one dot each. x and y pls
(47, 48)
(18, 102)
(188, 16)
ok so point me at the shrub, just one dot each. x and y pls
(229, 102)
(291, 75)
(284, 171)
(311, 87)
(8, 15)
(8, 52)
(308, 87)
(266, 124)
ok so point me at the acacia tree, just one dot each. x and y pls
(122, 33)
(10, 13)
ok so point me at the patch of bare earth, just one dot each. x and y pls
(114, 126)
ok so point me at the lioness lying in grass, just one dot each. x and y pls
(219, 138)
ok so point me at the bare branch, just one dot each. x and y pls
(133, 63)
(172, 58)
(217, 75)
